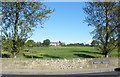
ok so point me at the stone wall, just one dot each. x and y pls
(59, 64)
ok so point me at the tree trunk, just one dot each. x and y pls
(106, 55)
(107, 34)
(15, 38)
(14, 55)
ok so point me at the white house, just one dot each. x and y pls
(55, 44)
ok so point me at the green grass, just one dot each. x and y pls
(63, 52)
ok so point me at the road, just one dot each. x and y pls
(105, 74)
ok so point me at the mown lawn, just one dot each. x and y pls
(63, 52)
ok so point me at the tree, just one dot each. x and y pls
(30, 43)
(100, 15)
(38, 44)
(81, 44)
(60, 43)
(117, 25)
(94, 43)
(87, 45)
(46, 42)
(19, 21)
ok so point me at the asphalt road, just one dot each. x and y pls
(105, 74)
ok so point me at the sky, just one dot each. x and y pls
(66, 24)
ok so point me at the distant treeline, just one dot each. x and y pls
(77, 44)
(31, 43)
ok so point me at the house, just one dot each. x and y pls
(54, 43)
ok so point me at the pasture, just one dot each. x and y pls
(62, 52)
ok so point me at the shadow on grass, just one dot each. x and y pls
(84, 55)
(88, 52)
(32, 56)
(42, 56)
(50, 56)
(5, 55)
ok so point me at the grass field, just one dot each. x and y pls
(62, 52)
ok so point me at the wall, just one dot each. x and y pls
(58, 64)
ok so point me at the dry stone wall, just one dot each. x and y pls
(59, 64)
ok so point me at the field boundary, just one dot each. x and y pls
(77, 64)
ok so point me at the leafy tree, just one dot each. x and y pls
(19, 21)
(117, 25)
(75, 44)
(60, 43)
(100, 15)
(46, 42)
(82, 44)
(94, 43)
(38, 44)
(30, 43)
(87, 45)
